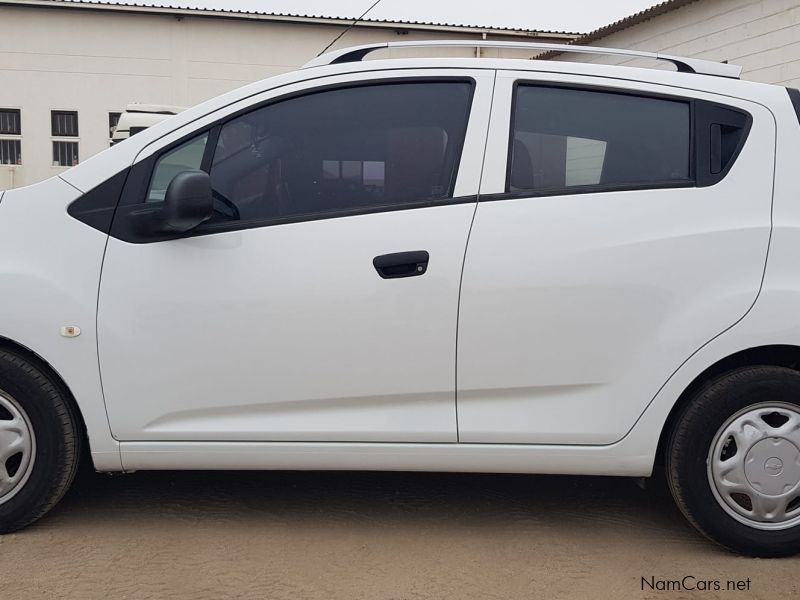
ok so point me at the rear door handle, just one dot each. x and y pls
(401, 264)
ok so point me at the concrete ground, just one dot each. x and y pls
(386, 536)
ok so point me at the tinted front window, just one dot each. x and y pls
(568, 138)
(343, 149)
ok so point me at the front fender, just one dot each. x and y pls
(50, 269)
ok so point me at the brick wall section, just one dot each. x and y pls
(763, 36)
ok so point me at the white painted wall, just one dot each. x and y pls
(98, 61)
(763, 36)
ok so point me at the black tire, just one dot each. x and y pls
(57, 440)
(689, 446)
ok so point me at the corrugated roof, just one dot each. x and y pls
(634, 19)
(244, 12)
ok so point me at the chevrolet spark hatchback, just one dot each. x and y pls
(484, 265)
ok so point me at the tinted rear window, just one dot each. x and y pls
(565, 139)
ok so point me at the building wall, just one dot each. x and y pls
(763, 36)
(99, 61)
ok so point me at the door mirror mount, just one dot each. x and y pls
(188, 202)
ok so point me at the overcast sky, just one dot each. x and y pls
(560, 15)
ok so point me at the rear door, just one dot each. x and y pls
(620, 227)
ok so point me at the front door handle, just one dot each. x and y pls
(401, 264)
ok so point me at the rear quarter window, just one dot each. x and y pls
(566, 140)
(572, 138)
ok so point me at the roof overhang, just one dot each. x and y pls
(630, 21)
(177, 10)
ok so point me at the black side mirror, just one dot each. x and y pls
(188, 202)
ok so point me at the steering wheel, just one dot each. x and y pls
(234, 210)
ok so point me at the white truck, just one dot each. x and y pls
(138, 117)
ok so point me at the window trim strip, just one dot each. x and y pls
(579, 190)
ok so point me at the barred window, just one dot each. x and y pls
(10, 152)
(10, 122)
(64, 123)
(65, 154)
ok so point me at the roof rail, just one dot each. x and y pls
(684, 65)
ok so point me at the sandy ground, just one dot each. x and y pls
(369, 535)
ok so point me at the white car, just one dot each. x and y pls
(424, 264)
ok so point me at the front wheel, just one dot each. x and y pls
(39, 442)
(733, 461)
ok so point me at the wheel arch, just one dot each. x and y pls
(776, 355)
(43, 365)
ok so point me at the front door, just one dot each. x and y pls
(320, 303)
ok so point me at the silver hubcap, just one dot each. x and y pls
(17, 447)
(754, 466)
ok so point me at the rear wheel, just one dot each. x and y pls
(733, 461)
(39, 442)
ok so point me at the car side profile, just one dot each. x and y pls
(424, 264)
